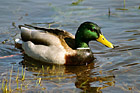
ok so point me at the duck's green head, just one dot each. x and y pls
(90, 31)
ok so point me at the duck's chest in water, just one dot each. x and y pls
(82, 57)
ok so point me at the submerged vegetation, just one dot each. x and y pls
(7, 84)
(57, 76)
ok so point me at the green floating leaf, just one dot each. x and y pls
(3, 42)
(77, 2)
(121, 9)
(139, 7)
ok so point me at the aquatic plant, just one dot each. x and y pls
(77, 2)
(124, 8)
(23, 73)
(139, 7)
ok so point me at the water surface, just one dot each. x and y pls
(114, 70)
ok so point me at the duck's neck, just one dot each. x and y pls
(81, 44)
(80, 41)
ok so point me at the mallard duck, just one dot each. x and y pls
(57, 46)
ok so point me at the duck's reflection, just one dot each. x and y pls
(85, 77)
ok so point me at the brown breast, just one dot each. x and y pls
(81, 57)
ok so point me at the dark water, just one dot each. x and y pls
(114, 71)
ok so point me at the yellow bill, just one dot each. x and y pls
(104, 41)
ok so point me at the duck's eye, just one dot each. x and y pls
(92, 30)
